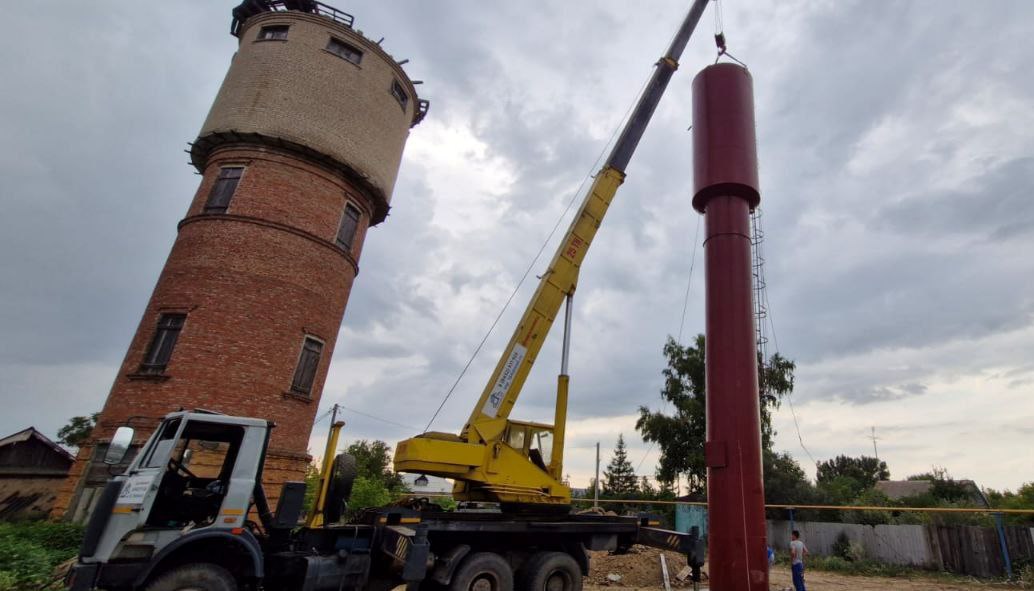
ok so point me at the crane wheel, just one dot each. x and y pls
(342, 476)
(202, 576)
(551, 571)
(482, 571)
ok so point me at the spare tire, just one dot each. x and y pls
(342, 476)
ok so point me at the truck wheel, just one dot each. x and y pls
(483, 571)
(195, 577)
(342, 476)
(551, 571)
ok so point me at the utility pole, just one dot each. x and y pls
(874, 438)
(596, 482)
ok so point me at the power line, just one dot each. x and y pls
(682, 323)
(789, 395)
(531, 266)
(381, 419)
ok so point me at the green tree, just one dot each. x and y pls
(857, 474)
(619, 478)
(785, 481)
(376, 484)
(646, 489)
(681, 435)
(312, 485)
(373, 461)
(77, 431)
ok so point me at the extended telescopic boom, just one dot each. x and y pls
(438, 454)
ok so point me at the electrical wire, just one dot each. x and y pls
(377, 418)
(682, 323)
(534, 260)
(689, 282)
(789, 395)
(322, 416)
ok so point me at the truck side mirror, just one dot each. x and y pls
(119, 446)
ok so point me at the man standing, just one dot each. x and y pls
(797, 553)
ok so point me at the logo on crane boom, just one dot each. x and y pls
(502, 384)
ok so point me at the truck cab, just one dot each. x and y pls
(187, 492)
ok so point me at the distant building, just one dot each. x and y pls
(902, 489)
(419, 483)
(31, 468)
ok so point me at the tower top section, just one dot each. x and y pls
(305, 80)
(250, 8)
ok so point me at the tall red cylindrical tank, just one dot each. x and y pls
(725, 190)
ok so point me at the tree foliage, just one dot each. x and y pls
(866, 470)
(77, 431)
(619, 478)
(373, 462)
(681, 434)
(785, 480)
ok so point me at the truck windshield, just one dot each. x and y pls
(158, 455)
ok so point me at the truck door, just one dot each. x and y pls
(197, 475)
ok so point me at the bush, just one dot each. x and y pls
(846, 549)
(29, 551)
(1027, 576)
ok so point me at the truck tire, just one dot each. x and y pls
(482, 571)
(342, 476)
(195, 577)
(551, 571)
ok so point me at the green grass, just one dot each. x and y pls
(30, 550)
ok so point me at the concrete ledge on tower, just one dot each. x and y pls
(296, 396)
(203, 147)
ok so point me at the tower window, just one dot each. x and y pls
(308, 362)
(399, 93)
(349, 224)
(271, 32)
(344, 50)
(223, 189)
(160, 351)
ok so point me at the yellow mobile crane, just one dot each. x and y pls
(494, 458)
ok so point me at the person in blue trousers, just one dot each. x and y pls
(797, 553)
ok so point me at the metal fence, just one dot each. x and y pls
(961, 549)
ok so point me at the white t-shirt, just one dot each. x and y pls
(797, 550)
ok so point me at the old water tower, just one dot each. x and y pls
(298, 157)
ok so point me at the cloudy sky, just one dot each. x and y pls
(896, 145)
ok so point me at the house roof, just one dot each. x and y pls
(900, 489)
(32, 433)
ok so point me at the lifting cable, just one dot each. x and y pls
(719, 35)
(590, 174)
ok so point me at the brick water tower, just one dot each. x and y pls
(298, 157)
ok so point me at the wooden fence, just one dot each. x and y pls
(960, 549)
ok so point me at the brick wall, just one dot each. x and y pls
(253, 282)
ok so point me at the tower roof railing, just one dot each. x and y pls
(250, 8)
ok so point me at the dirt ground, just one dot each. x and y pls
(641, 570)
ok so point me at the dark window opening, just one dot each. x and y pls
(344, 51)
(160, 351)
(308, 362)
(349, 225)
(223, 189)
(273, 32)
(399, 93)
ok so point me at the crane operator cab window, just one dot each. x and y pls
(533, 441)
(197, 473)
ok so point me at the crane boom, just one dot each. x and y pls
(488, 426)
